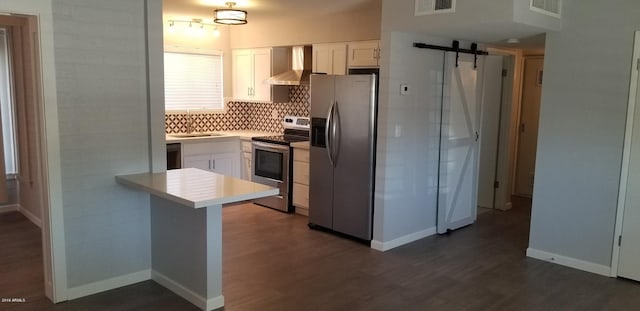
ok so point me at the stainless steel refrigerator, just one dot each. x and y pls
(342, 153)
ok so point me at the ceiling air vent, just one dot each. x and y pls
(427, 7)
(548, 7)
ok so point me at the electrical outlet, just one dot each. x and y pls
(274, 114)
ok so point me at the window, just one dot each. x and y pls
(7, 108)
(193, 81)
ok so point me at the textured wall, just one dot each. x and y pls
(102, 106)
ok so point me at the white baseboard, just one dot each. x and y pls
(385, 246)
(199, 301)
(569, 262)
(9, 208)
(34, 219)
(108, 284)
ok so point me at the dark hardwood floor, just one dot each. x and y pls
(272, 261)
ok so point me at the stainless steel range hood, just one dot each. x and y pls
(300, 68)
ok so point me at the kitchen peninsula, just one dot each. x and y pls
(186, 228)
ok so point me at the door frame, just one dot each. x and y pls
(626, 154)
(519, 121)
(509, 129)
(40, 14)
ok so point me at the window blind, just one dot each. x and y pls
(192, 81)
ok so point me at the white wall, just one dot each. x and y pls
(582, 122)
(408, 137)
(101, 79)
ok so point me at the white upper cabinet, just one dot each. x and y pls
(330, 58)
(364, 54)
(251, 67)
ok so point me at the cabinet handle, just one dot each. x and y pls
(209, 164)
(214, 164)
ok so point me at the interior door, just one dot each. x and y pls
(458, 170)
(490, 129)
(529, 117)
(628, 262)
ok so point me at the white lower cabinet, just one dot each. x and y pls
(218, 157)
(301, 180)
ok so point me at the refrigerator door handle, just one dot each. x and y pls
(335, 134)
(327, 138)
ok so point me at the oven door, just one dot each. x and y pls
(271, 168)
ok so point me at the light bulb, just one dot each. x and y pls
(216, 32)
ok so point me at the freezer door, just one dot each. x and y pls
(322, 95)
(355, 114)
(320, 167)
(320, 188)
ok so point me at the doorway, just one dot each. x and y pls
(626, 242)
(22, 114)
(528, 126)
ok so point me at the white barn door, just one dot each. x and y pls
(458, 171)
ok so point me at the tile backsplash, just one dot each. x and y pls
(244, 115)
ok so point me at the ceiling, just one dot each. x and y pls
(264, 9)
(280, 9)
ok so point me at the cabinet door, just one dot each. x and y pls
(262, 71)
(201, 161)
(227, 164)
(364, 54)
(242, 74)
(330, 58)
(339, 59)
(322, 59)
(247, 169)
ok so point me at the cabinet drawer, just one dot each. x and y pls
(301, 155)
(300, 195)
(301, 172)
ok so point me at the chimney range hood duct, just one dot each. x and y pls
(300, 68)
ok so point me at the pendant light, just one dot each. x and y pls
(230, 16)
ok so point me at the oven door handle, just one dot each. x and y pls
(327, 138)
(270, 146)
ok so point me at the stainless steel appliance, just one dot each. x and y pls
(273, 161)
(342, 153)
(173, 156)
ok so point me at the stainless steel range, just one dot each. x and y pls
(273, 161)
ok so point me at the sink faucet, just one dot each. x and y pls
(191, 124)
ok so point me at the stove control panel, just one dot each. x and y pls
(298, 123)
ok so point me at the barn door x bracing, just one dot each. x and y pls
(458, 170)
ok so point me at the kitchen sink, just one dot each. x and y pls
(183, 135)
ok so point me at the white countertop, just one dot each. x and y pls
(244, 134)
(197, 188)
(301, 145)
